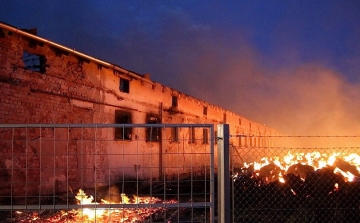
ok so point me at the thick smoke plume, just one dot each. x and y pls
(215, 63)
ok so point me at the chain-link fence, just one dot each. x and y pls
(107, 173)
(296, 184)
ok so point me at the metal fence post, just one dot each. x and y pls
(223, 174)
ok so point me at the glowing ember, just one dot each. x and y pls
(90, 215)
(346, 165)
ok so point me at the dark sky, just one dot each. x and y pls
(292, 65)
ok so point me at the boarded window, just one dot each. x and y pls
(123, 133)
(124, 85)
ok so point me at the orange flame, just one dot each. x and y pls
(98, 215)
(315, 159)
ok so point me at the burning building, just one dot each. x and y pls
(45, 82)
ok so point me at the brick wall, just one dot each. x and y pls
(69, 88)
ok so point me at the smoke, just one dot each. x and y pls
(309, 99)
(225, 69)
(304, 99)
(215, 63)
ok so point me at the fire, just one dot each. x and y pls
(348, 166)
(84, 199)
(90, 215)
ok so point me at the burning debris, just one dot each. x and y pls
(301, 165)
(91, 214)
(302, 187)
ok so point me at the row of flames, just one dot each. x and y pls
(91, 215)
(316, 160)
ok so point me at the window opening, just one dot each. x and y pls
(34, 62)
(205, 136)
(191, 135)
(205, 110)
(2, 34)
(123, 133)
(174, 101)
(124, 85)
(152, 133)
(174, 134)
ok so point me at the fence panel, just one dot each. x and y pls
(107, 173)
(297, 184)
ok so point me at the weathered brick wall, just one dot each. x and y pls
(33, 97)
(74, 89)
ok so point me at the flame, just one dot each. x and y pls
(98, 215)
(84, 199)
(314, 159)
(124, 215)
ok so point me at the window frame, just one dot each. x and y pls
(123, 133)
(174, 101)
(124, 85)
(205, 136)
(153, 134)
(192, 135)
(205, 110)
(174, 134)
(34, 62)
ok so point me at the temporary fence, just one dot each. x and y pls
(319, 181)
(168, 173)
(107, 173)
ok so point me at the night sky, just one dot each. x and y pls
(291, 65)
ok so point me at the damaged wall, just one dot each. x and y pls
(44, 82)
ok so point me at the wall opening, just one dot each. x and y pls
(174, 134)
(152, 133)
(34, 62)
(123, 133)
(124, 85)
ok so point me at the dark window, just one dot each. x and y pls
(174, 134)
(191, 135)
(152, 133)
(205, 136)
(174, 101)
(2, 34)
(205, 110)
(122, 133)
(34, 62)
(124, 85)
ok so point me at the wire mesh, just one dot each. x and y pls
(90, 173)
(297, 184)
